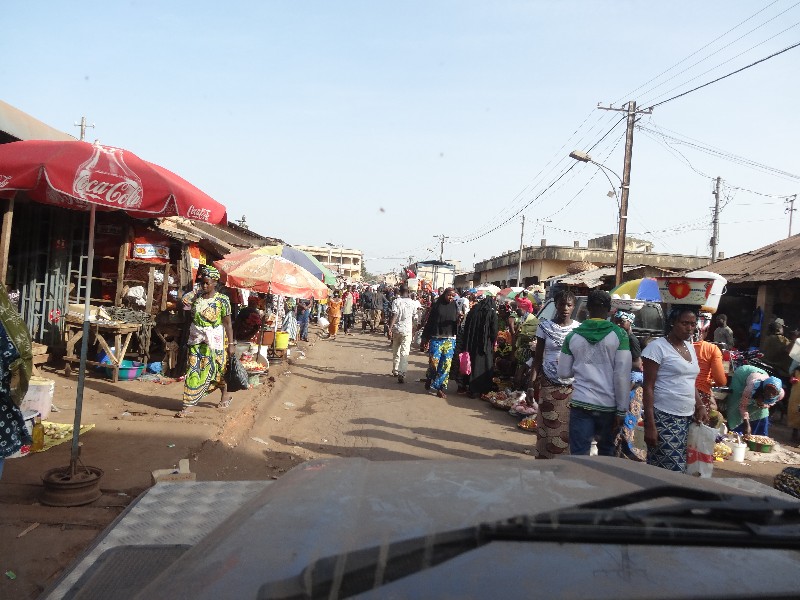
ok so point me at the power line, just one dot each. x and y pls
(717, 66)
(630, 94)
(699, 87)
(724, 154)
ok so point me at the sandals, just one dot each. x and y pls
(182, 414)
(441, 394)
(225, 402)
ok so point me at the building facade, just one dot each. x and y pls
(543, 262)
(346, 262)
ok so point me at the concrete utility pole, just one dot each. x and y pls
(715, 231)
(83, 127)
(519, 261)
(626, 181)
(790, 209)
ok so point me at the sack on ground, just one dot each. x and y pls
(464, 363)
(700, 450)
(236, 375)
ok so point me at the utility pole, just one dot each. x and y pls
(790, 209)
(83, 127)
(519, 261)
(715, 231)
(441, 239)
(626, 182)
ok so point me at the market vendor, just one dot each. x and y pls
(753, 392)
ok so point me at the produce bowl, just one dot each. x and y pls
(759, 447)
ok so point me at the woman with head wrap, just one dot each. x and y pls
(669, 395)
(753, 392)
(210, 341)
(480, 331)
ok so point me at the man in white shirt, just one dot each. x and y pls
(401, 331)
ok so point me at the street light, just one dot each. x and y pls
(623, 208)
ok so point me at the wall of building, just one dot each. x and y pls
(540, 263)
(344, 261)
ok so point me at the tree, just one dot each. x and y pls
(366, 275)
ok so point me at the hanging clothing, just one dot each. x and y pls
(208, 347)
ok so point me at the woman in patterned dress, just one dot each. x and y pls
(210, 342)
(16, 365)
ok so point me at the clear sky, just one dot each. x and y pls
(379, 125)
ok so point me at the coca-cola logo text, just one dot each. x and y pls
(199, 214)
(4, 179)
(121, 193)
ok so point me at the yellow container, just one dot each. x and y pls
(281, 340)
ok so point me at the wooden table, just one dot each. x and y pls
(121, 331)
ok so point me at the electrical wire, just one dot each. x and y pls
(727, 46)
(629, 94)
(699, 87)
(724, 154)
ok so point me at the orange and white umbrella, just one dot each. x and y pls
(261, 270)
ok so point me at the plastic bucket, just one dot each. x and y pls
(39, 397)
(323, 322)
(717, 289)
(281, 340)
(738, 452)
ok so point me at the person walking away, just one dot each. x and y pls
(303, 317)
(712, 371)
(527, 324)
(597, 355)
(368, 307)
(724, 334)
(210, 342)
(793, 408)
(753, 392)
(553, 392)
(334, 314)
(440, 336)
(480, 331)
(669, 394)
(401, 331)
(348, 311)
(16, 368)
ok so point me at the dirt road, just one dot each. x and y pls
(337, 400)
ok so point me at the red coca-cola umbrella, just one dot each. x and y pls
(83, 176)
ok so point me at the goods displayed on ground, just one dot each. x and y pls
(759, 443)
(528, 423)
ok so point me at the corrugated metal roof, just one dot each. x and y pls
(776, 262)
(591, 278)
(25, 127)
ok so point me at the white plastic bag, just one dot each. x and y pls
(700, 450)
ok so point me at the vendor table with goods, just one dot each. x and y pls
(118, 331)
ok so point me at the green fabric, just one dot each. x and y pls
(206, 367)
(21, 368)
(594, 330)
(739, 382)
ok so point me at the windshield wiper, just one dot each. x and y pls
(690, 518)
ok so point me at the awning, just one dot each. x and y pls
(22, 126)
